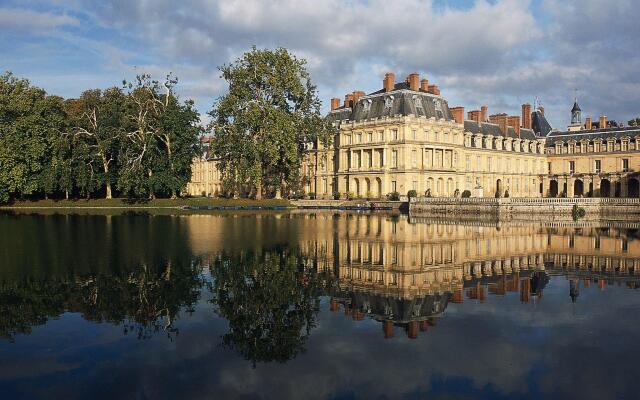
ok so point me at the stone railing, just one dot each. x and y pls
(514, 207)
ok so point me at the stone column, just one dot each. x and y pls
(624, 186)
(570, 183)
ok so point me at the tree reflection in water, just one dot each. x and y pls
(145, 300)
(270, 299)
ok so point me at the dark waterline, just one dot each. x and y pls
(315, 305)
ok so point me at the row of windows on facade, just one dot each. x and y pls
(596, 146)
(484, 142)
(442, 159)
(357, 138)
(597, 166)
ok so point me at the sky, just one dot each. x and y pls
(497, 52)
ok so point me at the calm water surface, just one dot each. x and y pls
(316, 306)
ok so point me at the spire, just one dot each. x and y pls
(576, 112)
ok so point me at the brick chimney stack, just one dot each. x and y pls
(484, 111)
(348, 100)
(526, 116)
(335, 103)
(588, 124)
(387, 328)
(602, 123)
(501, 121)
(414, 81)
(514, 122)
(424, 85)
(458, 114)
(474, 116)
(389, 82)
(431, 89)
(356, 95)
(437, 91)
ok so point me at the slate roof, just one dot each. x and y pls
(382, 306)
(616, 133)
(540, 124)
(488, 128)
(400, 101)
(576, 107)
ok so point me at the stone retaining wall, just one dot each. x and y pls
(511, 208)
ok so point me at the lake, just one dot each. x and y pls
(316, 305)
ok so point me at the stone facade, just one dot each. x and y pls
(405, 137)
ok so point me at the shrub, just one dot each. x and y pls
(312, 195)
(350, 196)
(466, 194)
(394, 196)
(336, 196)
(506, 193)
(368, 195)
(412, 193)
(577, 212)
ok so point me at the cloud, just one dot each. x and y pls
(27, 21)
(501, 53)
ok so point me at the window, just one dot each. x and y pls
(381, 133)
(348, 139)
(394, 158)
(414, 185)
(359, 138)
(478, 168)
(394, 134)
(414, 158)
(549, 167)
(598, 166)
(572, 167)
(625, 165)
(370, 137)
(468, 163)
(324, 186)
(489, 164)
(394, 186)
(414, 134)
(625, 246)
(436, 137)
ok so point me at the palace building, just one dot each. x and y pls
(405, 137)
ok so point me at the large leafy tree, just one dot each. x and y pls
(97, 124)
(31, 123)
(161, 138)
(262, 125)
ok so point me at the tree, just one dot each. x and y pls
(30, 125)
(634, 122)
(161, 138)
(262, 125)
(97, 118)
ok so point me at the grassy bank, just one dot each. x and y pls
(141, 204)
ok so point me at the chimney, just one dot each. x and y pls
(423, 85)
(484, 111)
(501, 121)
(437, 91)
(602, 122)
(526, 116)
(414, 82)
(348, 100)
(335, 103)
(458, 114)
(474, 116)
(587, 124)
(514, 122)
(356, 95)
(424, 326)
(431, 89)
(389, 82)
(541, 109)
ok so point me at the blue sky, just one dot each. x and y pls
(501, 53)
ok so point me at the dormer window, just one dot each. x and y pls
(388, 102)
(366, 105)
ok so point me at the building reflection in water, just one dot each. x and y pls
(404, 273)
(266, 272)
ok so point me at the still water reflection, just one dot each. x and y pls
(315, 305)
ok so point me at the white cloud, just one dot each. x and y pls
(19, 20)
